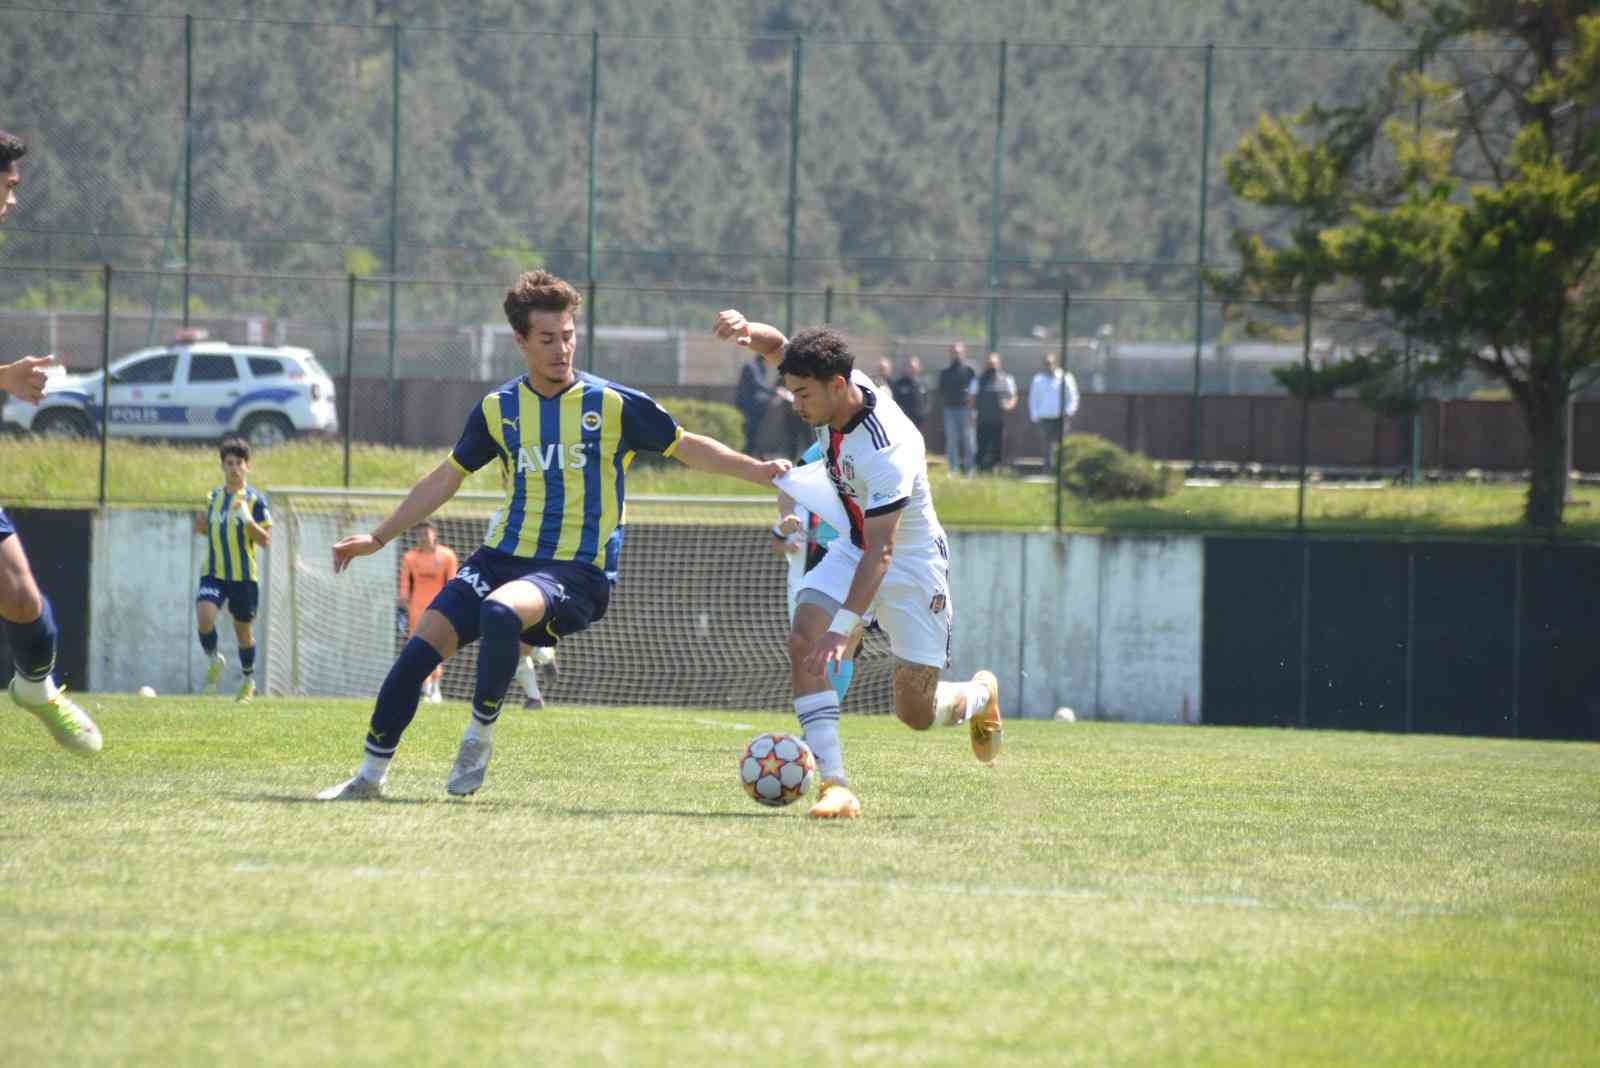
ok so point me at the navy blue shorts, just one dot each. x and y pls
(575, 595)
(241, 597)
(6, 529)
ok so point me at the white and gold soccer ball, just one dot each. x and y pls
(777, 769)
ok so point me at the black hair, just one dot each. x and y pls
(818, 353)
(12, 148)
(235, 446)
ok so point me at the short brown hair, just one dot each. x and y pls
(539, 291)
(12, 148)
(233, 445)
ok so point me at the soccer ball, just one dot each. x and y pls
(777, 769)
(543, 655)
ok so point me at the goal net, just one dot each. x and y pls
(698, 618)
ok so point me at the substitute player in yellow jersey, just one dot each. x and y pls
(235, 524)
(550, 558)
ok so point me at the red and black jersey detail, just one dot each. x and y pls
(858, 530)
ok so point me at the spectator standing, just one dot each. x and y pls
(955, 394)
(995, 394)
(885, 372)
(753, 397)
(911, 392)
(1052, 402)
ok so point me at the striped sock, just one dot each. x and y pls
(819, 721)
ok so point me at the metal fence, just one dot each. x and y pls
(196, 156)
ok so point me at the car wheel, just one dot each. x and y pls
(62, 423)
(265, 431)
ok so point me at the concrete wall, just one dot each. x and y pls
(146, 569)
(1108, 626)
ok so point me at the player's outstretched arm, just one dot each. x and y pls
(763, 338)
(713, 457)
(426, 497)
(25, 378)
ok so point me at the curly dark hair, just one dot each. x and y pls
(539, 291)
(12, 148)
(817, 353)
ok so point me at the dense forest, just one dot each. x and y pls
(294, 167)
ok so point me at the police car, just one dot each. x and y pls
(191, 389)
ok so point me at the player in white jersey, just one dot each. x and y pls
(892, 561)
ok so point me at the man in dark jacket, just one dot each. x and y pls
(910, 391)
(753, 398)
(955, 393)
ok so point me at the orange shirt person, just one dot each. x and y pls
(423, 572)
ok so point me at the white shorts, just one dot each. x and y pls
(913, 605)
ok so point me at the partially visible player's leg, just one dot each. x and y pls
(244, 631)
(208, 603)
(437, 638)
(31, 631)
(528, 675)
(914, 608)
(554, 599)
(816, 706)
(243, 599)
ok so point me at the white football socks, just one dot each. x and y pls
(956, 702)
(818, 714)
(35, 691)
(479, 730)
(374, 768)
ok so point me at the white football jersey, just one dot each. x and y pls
(879, 464)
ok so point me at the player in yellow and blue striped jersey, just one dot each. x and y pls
(564, 441)
(235, 523)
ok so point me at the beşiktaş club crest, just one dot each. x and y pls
(591, 421)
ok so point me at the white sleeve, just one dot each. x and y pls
(1072, 395)
(890, 479)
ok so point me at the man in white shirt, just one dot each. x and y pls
(890, 558)
(1051, 389)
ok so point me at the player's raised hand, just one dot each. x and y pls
(732, 326)
(26, 377)
(347, 549)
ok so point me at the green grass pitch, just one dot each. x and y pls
(1105, 894)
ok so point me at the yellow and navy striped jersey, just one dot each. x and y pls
(232, 555)
(565, 459)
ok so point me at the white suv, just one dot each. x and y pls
(203, 389)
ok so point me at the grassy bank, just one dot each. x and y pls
(45, 472)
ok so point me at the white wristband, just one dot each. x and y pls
(844, 621)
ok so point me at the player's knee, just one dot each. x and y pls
(498, 621)
(20, 601)
(799, 648)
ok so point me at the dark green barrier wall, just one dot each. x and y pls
(57, 543)
(1250, 649)
(1497, 640)
(1559, 671)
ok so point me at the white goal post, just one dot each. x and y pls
(698, 617)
